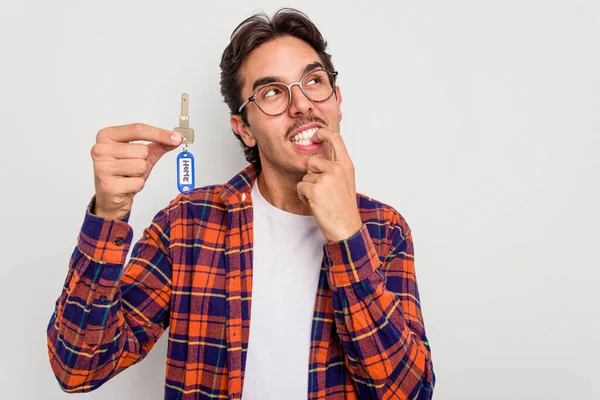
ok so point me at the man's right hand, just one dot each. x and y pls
(122, 168)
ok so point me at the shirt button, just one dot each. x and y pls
(119, 242)
(103, 298)
(243, 196)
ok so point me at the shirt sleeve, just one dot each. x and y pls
(378, 315)
(109, 315)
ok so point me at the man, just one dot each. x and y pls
(283, 283)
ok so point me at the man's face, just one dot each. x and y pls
(286, 59)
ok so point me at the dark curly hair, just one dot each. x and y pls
(250, 34)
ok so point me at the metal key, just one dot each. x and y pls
(184, 122)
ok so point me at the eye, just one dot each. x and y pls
(271, 91)
(313, 80)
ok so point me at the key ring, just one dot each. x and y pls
(185, 145)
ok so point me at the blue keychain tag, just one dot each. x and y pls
(185, 170)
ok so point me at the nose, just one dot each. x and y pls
(300, 104)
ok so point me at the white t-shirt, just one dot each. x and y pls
(288, 250)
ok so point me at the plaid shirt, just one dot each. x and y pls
(192, 272)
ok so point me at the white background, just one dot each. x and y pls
(478, 120)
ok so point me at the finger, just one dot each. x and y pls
(157, 150)
(126, 167)
(317, 165)
(128, 185)
(102, 151)
(305, 190)
(132, 132)
(310, 178)
(335, 141)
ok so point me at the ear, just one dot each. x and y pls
(240, 128)
(338, 96)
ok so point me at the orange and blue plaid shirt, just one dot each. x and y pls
(191, 272)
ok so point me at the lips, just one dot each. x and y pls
(307, 148)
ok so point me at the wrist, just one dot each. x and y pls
(107, 214)
(347, 232)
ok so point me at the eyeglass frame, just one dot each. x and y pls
(289, 86)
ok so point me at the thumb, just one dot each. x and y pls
(157, 150)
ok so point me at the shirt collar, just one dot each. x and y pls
(240, 184)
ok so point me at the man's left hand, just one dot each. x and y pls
(329, 189)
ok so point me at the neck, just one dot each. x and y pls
(281, 192)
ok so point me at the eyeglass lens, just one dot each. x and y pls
(274, 98)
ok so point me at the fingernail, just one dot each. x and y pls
(176, 138)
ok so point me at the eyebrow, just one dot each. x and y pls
(270, 79)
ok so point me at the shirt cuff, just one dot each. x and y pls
(351, 260)
(103, 240)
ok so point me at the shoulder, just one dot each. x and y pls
(197, 200)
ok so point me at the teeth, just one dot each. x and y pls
(305, 135)
(303, 142)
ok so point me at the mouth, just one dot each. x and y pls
(304, 133)
(302, 139)
(309, 147)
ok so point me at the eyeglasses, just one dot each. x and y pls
(275, 98)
